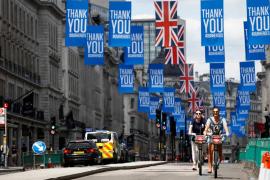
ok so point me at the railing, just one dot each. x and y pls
(31, 160)
(254, 151)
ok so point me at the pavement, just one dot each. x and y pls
(75, 172)
(10, 170)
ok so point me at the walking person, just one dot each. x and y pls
(196, 128)
(14, 155)
(1, 155)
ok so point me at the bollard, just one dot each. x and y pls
(50, 165)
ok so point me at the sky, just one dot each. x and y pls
(189, 10)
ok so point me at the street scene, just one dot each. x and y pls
(134, 89)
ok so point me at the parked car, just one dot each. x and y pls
(81, 152)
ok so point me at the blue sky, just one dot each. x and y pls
(234, 14)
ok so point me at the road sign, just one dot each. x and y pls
(39, 147)
(2, 117)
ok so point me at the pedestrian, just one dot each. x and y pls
(237, 152)
(14, 154)
(1, 155)
(24, 148)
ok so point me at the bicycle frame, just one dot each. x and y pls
(200, 140)
(216, 140)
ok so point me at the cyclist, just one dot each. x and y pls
(217, 125)
(196, 128)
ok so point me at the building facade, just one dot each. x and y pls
(35, 63)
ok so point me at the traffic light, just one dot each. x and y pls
(172, 126)
(53, 125)
(164, 121)
(158, 118)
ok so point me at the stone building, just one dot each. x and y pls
(33, 58)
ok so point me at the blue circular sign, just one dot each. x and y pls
(39, 147)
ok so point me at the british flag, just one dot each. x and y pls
(176, 54)
(186, 78)
(166, 23)
(193, 101)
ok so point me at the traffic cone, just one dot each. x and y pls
(265, 163)
(50, 165)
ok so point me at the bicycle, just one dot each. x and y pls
(200, 140)
(216, 140)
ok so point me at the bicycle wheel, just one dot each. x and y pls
(215, 163)
(200, 162)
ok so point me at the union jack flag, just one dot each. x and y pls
(193, 101)
(176, 54)
(186, 78)
(166, 23)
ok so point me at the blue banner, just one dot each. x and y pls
(134, 54)
(253, 52)
(248, 76)
(143, 100)
(242, 113)
(168, 100)
(126, 78)
(241, 119)
(156, 78)
(168, 127)
(76, 22)
(258, 22)
(177, 108)
(214, 54)
(243, 99)
(233, 118)
(94, 49)
(238, 130)
(179, 126)
(119, 24)
(212, 23)
(154, 104)
(219, 99)
(217, 77)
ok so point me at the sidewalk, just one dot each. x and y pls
(10, 170)
(75, 172)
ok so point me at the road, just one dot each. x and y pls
(172, 171)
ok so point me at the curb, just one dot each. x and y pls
(106, 169)
(11, 170)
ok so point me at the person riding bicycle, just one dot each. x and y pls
(217, 125)
(196, 128)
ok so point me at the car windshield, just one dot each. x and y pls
(99, 137)
(80, 145)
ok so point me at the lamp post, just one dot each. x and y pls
(160, 127)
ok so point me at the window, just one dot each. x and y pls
(23, 22)
(11, 91)
(132, 122)
(54, 76)
(2, 88)
(36, 100)
(15, 15)
(132, 103)
(19, 91)
(11, 12)
(32, 28)
(35, 29)
(20, 18)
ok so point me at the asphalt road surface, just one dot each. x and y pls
(172, 171)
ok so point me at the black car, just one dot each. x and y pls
(81, 152)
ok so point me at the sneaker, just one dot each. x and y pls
(194, 168)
